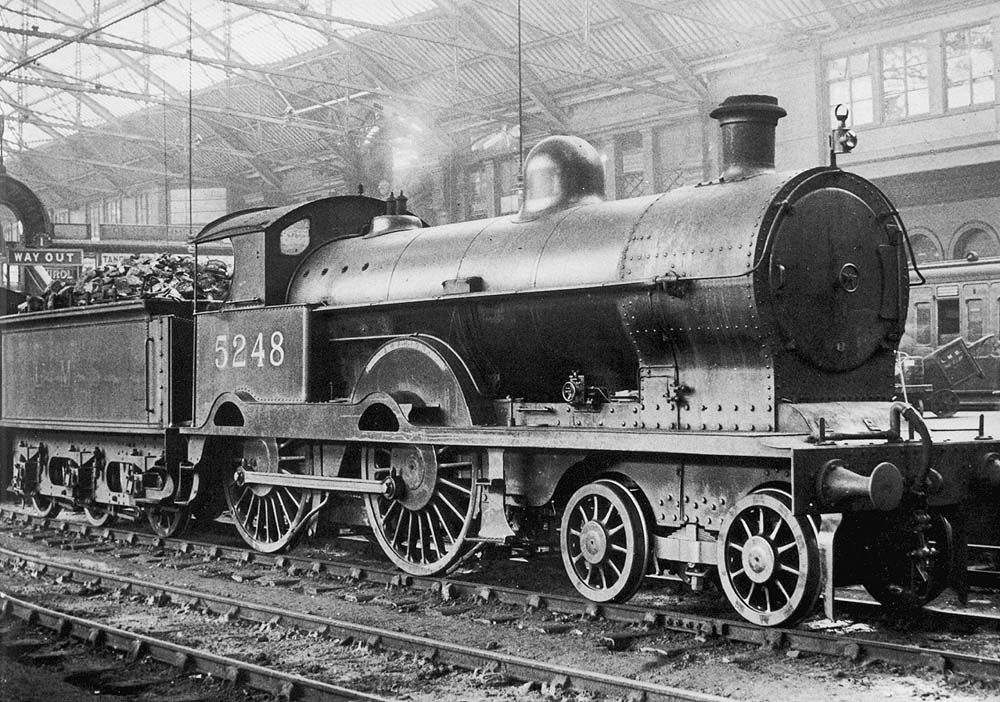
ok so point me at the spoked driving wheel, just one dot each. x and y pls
(906, 563)
(269, 517)
(422, 526)
(167, 521)
(769, 563)
(98, 515)
(44, 506)
(604, 541)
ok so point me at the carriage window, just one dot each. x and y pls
(923, 323)
(295, 238)
(974, 320)
(949, 325)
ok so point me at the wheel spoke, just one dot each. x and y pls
(409, 535)
(384, 516)
(444, 525)
(746, 528)
(395, 534)
(434, 536)
(453, 508)
(784, 591)
(454, 486)
(422, 542)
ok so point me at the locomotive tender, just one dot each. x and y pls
(671, 385)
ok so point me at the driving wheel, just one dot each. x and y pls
(423, 525)
(270, 518)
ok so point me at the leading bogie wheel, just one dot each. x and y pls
(270, 518)
(605, 542)
(905, 564)
(423, 527)
(769, 561)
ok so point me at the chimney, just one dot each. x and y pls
(747, 123)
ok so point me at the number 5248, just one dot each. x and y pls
(239, 353)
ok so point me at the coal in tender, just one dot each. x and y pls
(167, 276)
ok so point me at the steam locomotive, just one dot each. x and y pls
(673, 386)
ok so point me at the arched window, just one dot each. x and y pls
(926, 248)
(976, 240)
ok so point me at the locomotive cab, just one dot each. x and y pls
(270, 243)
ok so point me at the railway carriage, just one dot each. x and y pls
(671, 386)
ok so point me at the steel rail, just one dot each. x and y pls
(462, 656)
(285, 686)
(739, 631)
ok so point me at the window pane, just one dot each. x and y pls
(892, 59)
(862, 113)
(837, 68)
(861, 88)
(919, 102)
(924, 248)
(916, 77)
(923, 323)
(959, 95)
(948, 319)
(983, 90)
(840, 92)
(974, 319)
(859, 63)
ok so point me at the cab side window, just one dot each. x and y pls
(294, 238)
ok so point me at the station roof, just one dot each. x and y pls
(101, 95)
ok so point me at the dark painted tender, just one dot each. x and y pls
(667, 386)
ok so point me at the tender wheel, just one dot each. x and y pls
(423, 526)
(269, 517)
(44, 506)
(167, 521)
(604, 541)
(769, 562)
(98, 515)
(944, 403)
(906, 564)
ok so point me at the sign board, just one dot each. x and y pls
(62, 273)
(50, 258)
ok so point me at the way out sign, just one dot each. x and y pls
(53, 258)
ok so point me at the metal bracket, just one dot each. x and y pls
(828, 525)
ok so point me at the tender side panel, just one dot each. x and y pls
(104, 366)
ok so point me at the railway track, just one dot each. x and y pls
(296, 687)
(641, 619)
(185, 660)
